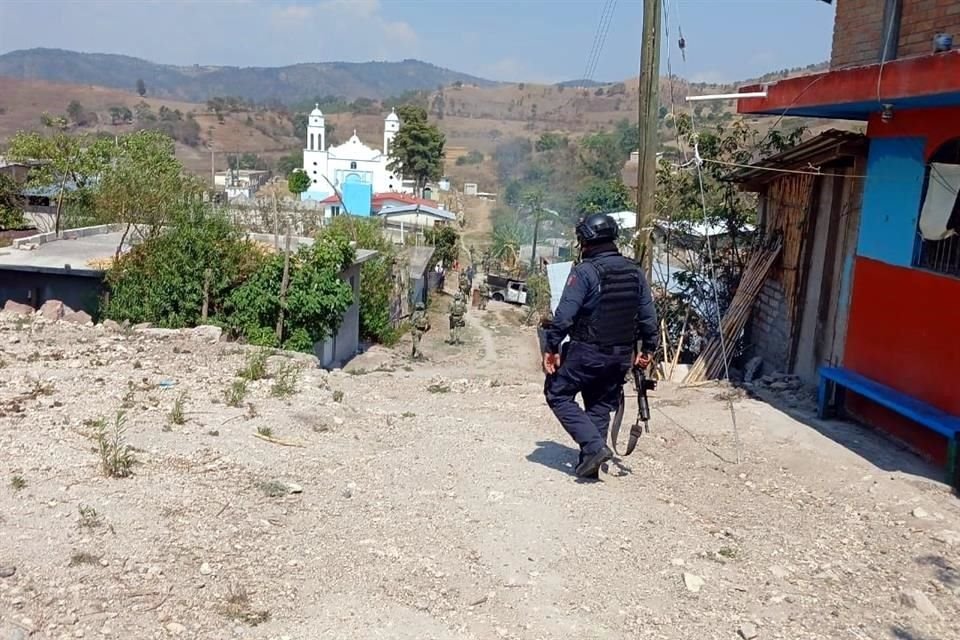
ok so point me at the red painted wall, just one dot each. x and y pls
(903, 333)
(936, 125)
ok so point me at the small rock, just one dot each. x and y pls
(337, 420)
(693, 582)
(349, 490)
(779, 572)
(112, 325)
(14, 339)
(175, 628)
(78, 317)
(294, 487)
(207, 333)
(142, 325)
(916, 599)
(18, 309)
(747, 631)
(205, 569)
(53, 310)
(920, 513)
(7, 571)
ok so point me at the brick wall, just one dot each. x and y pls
(921, 20)
(768, 334)
(859, 31)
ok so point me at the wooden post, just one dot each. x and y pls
(283, 287)
(276, 223)
(648, 120)
(207, 276)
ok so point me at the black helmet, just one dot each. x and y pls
(598, 227)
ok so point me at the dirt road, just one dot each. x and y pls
(436, 500)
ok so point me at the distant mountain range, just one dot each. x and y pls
(290, 84)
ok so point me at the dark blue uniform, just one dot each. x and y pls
(607, 324)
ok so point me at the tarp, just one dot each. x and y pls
(940, 201)
(557, 275)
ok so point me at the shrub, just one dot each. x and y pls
(376, 275)
(161, 281)
(316, 298)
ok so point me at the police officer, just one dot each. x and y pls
(607, 311)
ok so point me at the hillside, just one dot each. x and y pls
(294, 83)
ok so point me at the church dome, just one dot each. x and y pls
(316, 111)
(393, 117)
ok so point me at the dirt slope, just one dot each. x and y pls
(438, 502)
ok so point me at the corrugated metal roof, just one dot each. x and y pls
(830, 145)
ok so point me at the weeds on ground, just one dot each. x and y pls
(116, 456)
(251, 411)
(285, 380)
(408, 414)
(237, 607)
(438, 388)
(17, 482)
(83, 557)
(266, 432)
(236, 392)
(255, 367)
(273, 488)
(89, 518)
(130, 397)
(338, 395)
(177, 413)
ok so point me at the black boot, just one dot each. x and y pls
(589, 466)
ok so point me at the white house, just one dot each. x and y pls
(350, 162)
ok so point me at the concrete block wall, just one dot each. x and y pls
(768, 334)
(859, 29)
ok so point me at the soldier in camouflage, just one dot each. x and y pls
(458, 309)
(484, 291)
(419, 325)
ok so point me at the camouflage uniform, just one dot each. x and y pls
(464, 285)
(457, 312)
(484, 291)
(419, 325)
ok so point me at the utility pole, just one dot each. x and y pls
(649, 108)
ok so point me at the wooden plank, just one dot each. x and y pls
(711, 363)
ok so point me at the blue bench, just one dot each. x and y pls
(834, 381)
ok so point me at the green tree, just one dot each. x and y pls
(11, 203)
(446, 242)
(290, 163)
(603, 196)
(141, 87)
(143, 184)
(376, 275)
(76, 112)
(298, 182)
(417, 150)
(69, 164)
(549, 141)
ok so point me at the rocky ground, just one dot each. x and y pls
(436, 500)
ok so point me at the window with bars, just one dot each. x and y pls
(939, 227)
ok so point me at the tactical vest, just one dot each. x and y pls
(612, 321)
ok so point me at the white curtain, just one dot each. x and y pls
(942, 189)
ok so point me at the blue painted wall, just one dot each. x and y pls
(357, 198)
(891, 200)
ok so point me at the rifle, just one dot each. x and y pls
(642, 384)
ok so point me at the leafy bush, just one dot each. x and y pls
(376, 275)
(161, 281)
(316, 297)
(446, 240)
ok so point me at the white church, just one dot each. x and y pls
(351, 163)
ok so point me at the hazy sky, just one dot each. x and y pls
(533, 40)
